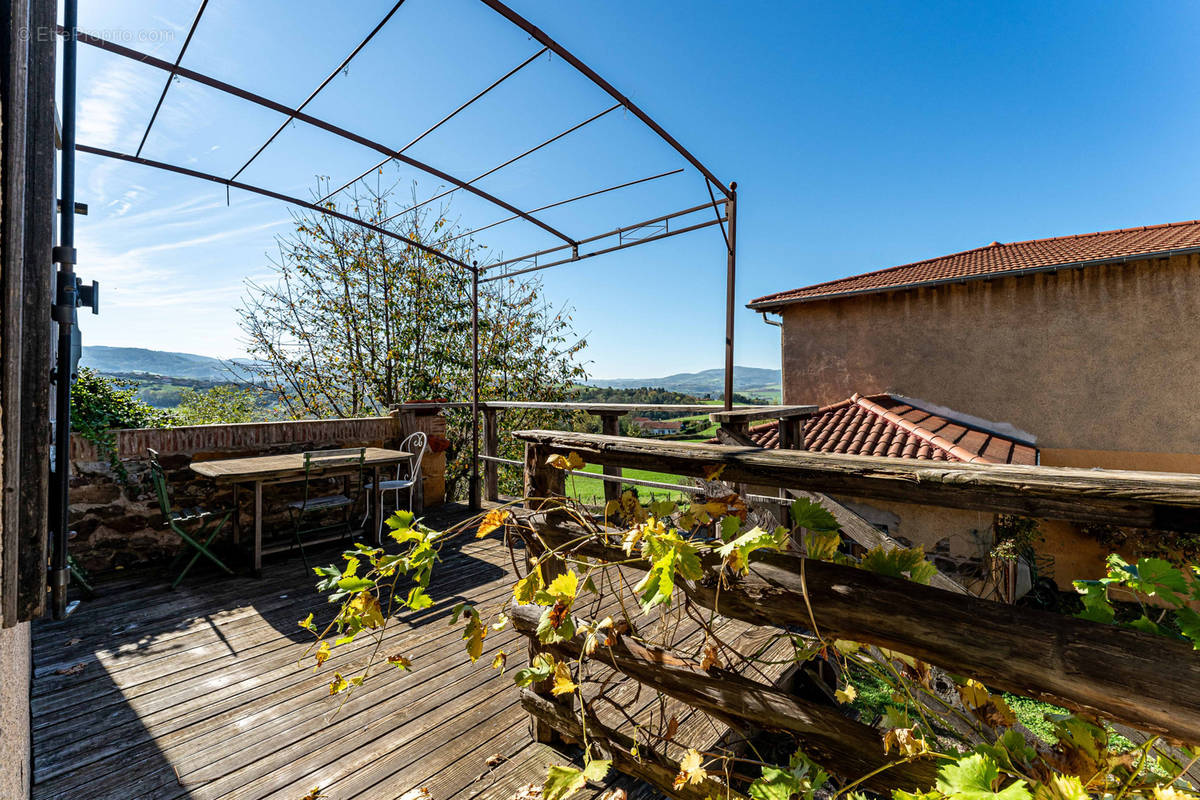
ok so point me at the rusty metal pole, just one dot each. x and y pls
(474, 490)
(730, 285)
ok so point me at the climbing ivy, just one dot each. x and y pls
(100, 405)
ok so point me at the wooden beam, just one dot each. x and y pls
(846, 748)
(610, 425)
(541, 482)
(609, 408)
(648, 764)
(1147, 681)
(1160, 500)
(755, 413)
(491, 447)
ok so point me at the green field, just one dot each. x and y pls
(591, 490)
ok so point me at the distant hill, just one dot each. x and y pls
(746, 380)
(155, 362)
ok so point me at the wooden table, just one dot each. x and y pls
(286, 468)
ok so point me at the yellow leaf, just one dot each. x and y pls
(631, 539)
(307, 623)
(974, 694)
(563, 684)
(476, 630)
(565, 586)
(499, 661)
(493, 520)
(400, 662)
(339, 684)
(690, 769)
(905, 741)
(528, 586)
(322, 655)
(846, 695)
(567, 462)
(366, 607)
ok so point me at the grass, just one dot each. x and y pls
(876, 696)
(585, 489)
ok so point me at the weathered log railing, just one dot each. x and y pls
(791, 419)
(1146, 681)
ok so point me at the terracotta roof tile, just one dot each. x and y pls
(997, 259)
(883, 425)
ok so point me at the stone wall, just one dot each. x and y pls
(116, 517)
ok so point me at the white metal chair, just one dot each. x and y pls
(407, 475)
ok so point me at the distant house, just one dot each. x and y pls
(1092, 341)
(1089, 341)
(658, 427)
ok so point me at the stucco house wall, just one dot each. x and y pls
(14, 712)
(1100, 362)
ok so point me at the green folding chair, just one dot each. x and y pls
(208, 522)
(316, 462)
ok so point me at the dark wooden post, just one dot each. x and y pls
(610, 425)
(491, 448)
(542, 482)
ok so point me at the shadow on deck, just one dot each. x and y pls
(201, 693)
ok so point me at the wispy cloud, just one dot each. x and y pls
(108, 105)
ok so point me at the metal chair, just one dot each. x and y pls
(407, 475)
(188, 517)
(316, 462)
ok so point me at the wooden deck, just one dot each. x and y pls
(200, 693)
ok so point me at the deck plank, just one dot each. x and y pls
(201, 694)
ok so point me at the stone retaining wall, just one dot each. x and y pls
(117, 520)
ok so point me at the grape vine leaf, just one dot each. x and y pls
(1189, 625)
(562, 782)
(900, 563)
(736, 552)
(691, 769)
(977, 777)
(563, 682)
(1095, 601)
(1158, 577)
(814, 516)
(492, 521)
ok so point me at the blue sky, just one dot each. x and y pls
(861, 135)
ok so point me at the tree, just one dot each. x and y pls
(356, 323)
(218, 405)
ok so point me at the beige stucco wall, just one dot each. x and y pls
(1104, 358)
(14, 712)
(969, 534)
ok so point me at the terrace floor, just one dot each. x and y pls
(206, 692)
(201, 693)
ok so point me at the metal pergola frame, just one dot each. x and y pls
(71, 294)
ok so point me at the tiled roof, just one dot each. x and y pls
(997, 258)
(883, 425)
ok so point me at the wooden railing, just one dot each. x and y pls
(1149, 682)
(734, 421)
